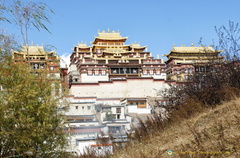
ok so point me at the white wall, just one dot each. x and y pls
(120, 89)
(82, 109)
(161, 76)
(81, 147)
(135, 110)
(81, 124)
(73, 67)
(93, 78)
(109, 102)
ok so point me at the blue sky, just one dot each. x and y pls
(157, 24)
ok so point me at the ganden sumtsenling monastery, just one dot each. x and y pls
(110, 81)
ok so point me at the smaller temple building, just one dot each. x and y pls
(38, 58)
(183, 61)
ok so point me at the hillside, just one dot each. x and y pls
(214, 132)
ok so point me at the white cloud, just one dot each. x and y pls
(65, 60)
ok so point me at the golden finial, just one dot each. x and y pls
(108, 30)
(192, 44)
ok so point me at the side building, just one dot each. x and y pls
(39, 59)
(183, 61)
(42, 61)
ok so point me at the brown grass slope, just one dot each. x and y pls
(211, 133)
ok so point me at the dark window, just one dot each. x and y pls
(118, 116)
(196, 69)
(118, 110)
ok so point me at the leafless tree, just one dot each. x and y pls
(229, 38)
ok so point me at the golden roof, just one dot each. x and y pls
(137, 45)
(192, 49)
(110, 35)
(82, 45)
(33, 50)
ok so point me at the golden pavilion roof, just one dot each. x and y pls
(193, 49)
(82, 45)
(137, 46)
(110, 35)
(33, 50)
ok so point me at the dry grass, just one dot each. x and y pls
(211, 133)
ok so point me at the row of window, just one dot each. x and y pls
(83, 107)
(40, 66)
(190, 77)
(152, 71)
(124, 70)
(96, 72)
(197, 69)
(102, 43)
(186, 70)
(202, 68)
(136, 103)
